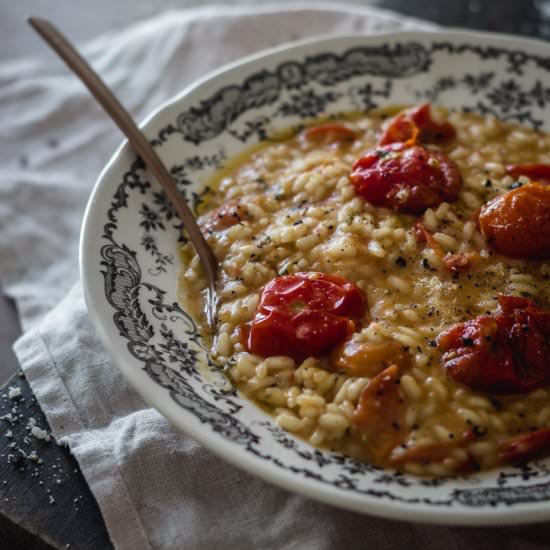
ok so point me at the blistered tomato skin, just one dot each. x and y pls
(303, 315)
(535, 172)
(329, 133)
(406, 179)
(400, 130)
(314, 291)
(227, 215)
(525, 446)
(417, 125)
(380, 412)
(305, 334)
(517, 224)
(505, 353)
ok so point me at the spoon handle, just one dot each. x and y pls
(137, 140)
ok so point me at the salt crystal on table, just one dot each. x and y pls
(39, 433)
(32, 456)
(14, 392)
(8, 418)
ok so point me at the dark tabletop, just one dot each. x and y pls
(44, 499)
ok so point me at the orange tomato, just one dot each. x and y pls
(525, 446)
(517, 224)
(380, 413)
(330, 132)
(367, 358)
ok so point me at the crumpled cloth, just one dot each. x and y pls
(156, 487)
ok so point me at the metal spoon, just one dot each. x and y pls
(139, 142)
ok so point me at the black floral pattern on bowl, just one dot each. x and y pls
(360, 78)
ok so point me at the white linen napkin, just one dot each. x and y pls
(156, 487)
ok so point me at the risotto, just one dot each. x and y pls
(426, 342)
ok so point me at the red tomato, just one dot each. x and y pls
(329, 133)
(406, 179)
(536, 172)
(400, 130)
(525, 446)
(461, 261)
(225, 216)
(508, 352)
(424, 236)
(417, 125)
(438, 451)
(517, 224)
(304, 315)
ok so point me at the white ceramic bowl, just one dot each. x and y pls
(129, 251)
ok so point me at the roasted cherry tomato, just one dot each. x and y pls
(330, 132)
(523, 447)
(535, 172)
(460, 261)
(225, 216)
(438, 451)
(367, 358)
(416, 125)
(401, 129)
(380, 413)
(406, 179)
(517, 224)
(305, 314)
(505, 353)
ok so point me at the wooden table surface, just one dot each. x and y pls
(44, 499)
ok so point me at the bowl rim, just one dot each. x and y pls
(420, 513)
